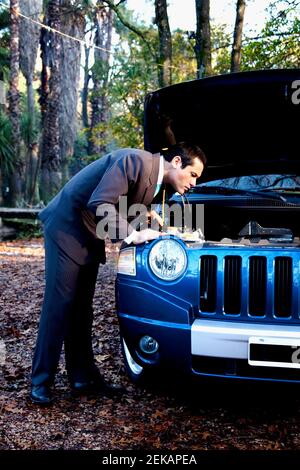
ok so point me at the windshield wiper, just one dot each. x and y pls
(226, 190)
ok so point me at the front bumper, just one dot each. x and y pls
(207, 348)
(230, 339)
(220, 349)
(159, 314)
(174, 341)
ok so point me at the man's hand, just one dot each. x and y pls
(155, 216)
(146, 235)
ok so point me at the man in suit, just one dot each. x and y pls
(73, 252)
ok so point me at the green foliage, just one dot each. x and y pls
(80, 158)
(4, 57)
(6, 150)
(85, 5)
(221, 49)
(133, 75)
(26, 228)
(29, 128)
(4, 38)
(127, 131)
(100, 70)
(184, 63)
(30, 125)
(4, 16)
(220, 52)
(278, 44)
(4, 42)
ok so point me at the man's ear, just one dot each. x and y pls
(176, 162)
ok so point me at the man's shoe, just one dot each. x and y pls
(97, 387)
(41, 395)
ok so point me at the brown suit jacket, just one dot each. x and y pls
(70, 218)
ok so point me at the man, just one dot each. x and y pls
(73, 253)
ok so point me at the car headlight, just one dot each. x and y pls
(168, 260)
(126, 262)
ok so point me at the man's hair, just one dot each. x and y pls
(188, 152)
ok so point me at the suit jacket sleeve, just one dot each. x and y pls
(118, 180)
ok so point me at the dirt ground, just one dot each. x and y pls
(171, 417)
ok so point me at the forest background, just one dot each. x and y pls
(74, 75)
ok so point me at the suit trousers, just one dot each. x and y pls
(67, 317)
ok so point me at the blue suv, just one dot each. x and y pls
(222, 299)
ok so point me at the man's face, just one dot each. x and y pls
(182, 179)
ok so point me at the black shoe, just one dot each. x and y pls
(41, 395)
(97, 387)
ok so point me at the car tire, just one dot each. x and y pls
(136, 373)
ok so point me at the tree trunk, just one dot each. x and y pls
(29, 34)
(100, 74)
(73, 24)
(165, 43)
(15, 183)
(203, 39)
(31, 193)
(237, 36)
(45, 72)
(85, 89)
(50, 161)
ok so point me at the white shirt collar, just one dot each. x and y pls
(160, 175)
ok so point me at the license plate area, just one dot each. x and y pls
(274, 352)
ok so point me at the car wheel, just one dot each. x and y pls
(136, 372)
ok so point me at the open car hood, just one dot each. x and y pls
(246, 123)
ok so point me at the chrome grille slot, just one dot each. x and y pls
(283, 286)
(257, 285)
(232, 284)
(208, 283)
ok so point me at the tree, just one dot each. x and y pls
(203, 39)
(145, 35)
(221, 49)
(133, 75)
(100, 74)
(85, 88)
(4, 41)
(72, 23)
(165, 43)
(15, 194)
(237, 36)
(277, 46)
(6, 151)
(184, 63)
(51, 158)
(30, 34)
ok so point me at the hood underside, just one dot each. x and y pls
(246, 123)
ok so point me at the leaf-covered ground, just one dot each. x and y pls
(170, 417)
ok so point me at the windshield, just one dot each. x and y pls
(256, 183)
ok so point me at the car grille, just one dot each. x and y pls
(250, 286)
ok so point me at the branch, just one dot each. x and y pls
(256, 38)
(130, 26)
